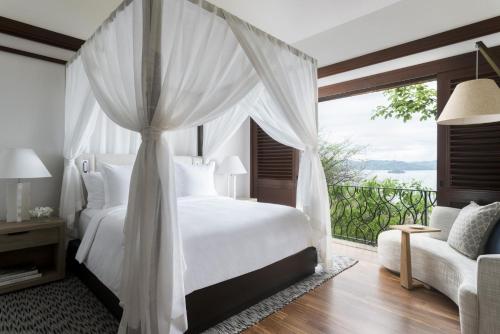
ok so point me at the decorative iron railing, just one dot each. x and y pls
(359, 214)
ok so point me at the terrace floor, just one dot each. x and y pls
(364, 299)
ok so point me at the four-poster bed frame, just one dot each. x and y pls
(163, 65)
(208, 306)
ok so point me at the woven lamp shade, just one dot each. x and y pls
(472, 102)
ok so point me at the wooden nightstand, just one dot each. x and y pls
(38, 242)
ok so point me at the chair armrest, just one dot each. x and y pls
(467, 303)
(488, 293)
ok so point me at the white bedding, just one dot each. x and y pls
(84, 220)
(223, 238)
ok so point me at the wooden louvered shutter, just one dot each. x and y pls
(274, 169)
(468, 155)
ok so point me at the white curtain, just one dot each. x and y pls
(184, 68)
(159, 66)
(205, 70)
(183, 141)
(218, 132)
(108, 137)
(288, 113)
(121, 75)
(81, 111)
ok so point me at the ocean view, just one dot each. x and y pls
(378, 143)
(428, 177)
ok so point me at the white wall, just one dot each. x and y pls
(32, 116)
(401, 22)
(238, 145)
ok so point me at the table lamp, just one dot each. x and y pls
(232, 166)
(20, 163)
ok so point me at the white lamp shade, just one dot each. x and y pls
(232, 165)
(21, 163)
(472, 102)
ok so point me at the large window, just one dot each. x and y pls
(386, 135)
(379, 152)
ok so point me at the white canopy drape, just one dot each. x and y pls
(81, 111)
(108, 137)
(220, 130)
(164, 65)
(181, 85)
(287, 111)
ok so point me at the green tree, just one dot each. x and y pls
(336, 160)
(409, 101)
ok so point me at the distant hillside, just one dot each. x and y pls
(394, 165)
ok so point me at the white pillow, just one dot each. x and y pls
(472, 228)
(116, 184)
(195, 180)
(94, 183)
(442, 218)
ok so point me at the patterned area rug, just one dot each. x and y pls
(265, 308)
(68, 307)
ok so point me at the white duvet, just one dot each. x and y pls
(223, 238)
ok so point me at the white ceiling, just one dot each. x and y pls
(77, 18)
(294, 20)
(329, 30)
(289, 20)
(401, 22)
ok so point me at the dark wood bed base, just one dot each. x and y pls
(208, 306)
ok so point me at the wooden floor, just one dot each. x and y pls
(364, 299)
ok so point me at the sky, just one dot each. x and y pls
(384, 139)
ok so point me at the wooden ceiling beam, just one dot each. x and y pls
(402, 76)
(457, 35)
(32, 55)
(40, 35)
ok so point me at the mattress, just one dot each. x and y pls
(223, 238)
(84, 220)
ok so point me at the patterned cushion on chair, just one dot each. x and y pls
(471, 229)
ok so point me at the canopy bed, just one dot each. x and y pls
(157, 66)
(236, 252)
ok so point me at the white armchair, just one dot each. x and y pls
(473, 285)
(488, 293)
(468, 306)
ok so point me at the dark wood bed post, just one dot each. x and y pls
(208, 306)
(199, 142)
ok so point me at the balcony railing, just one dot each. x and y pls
(359, 214)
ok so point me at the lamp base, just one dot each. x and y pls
(18, 201)
(233, 177)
